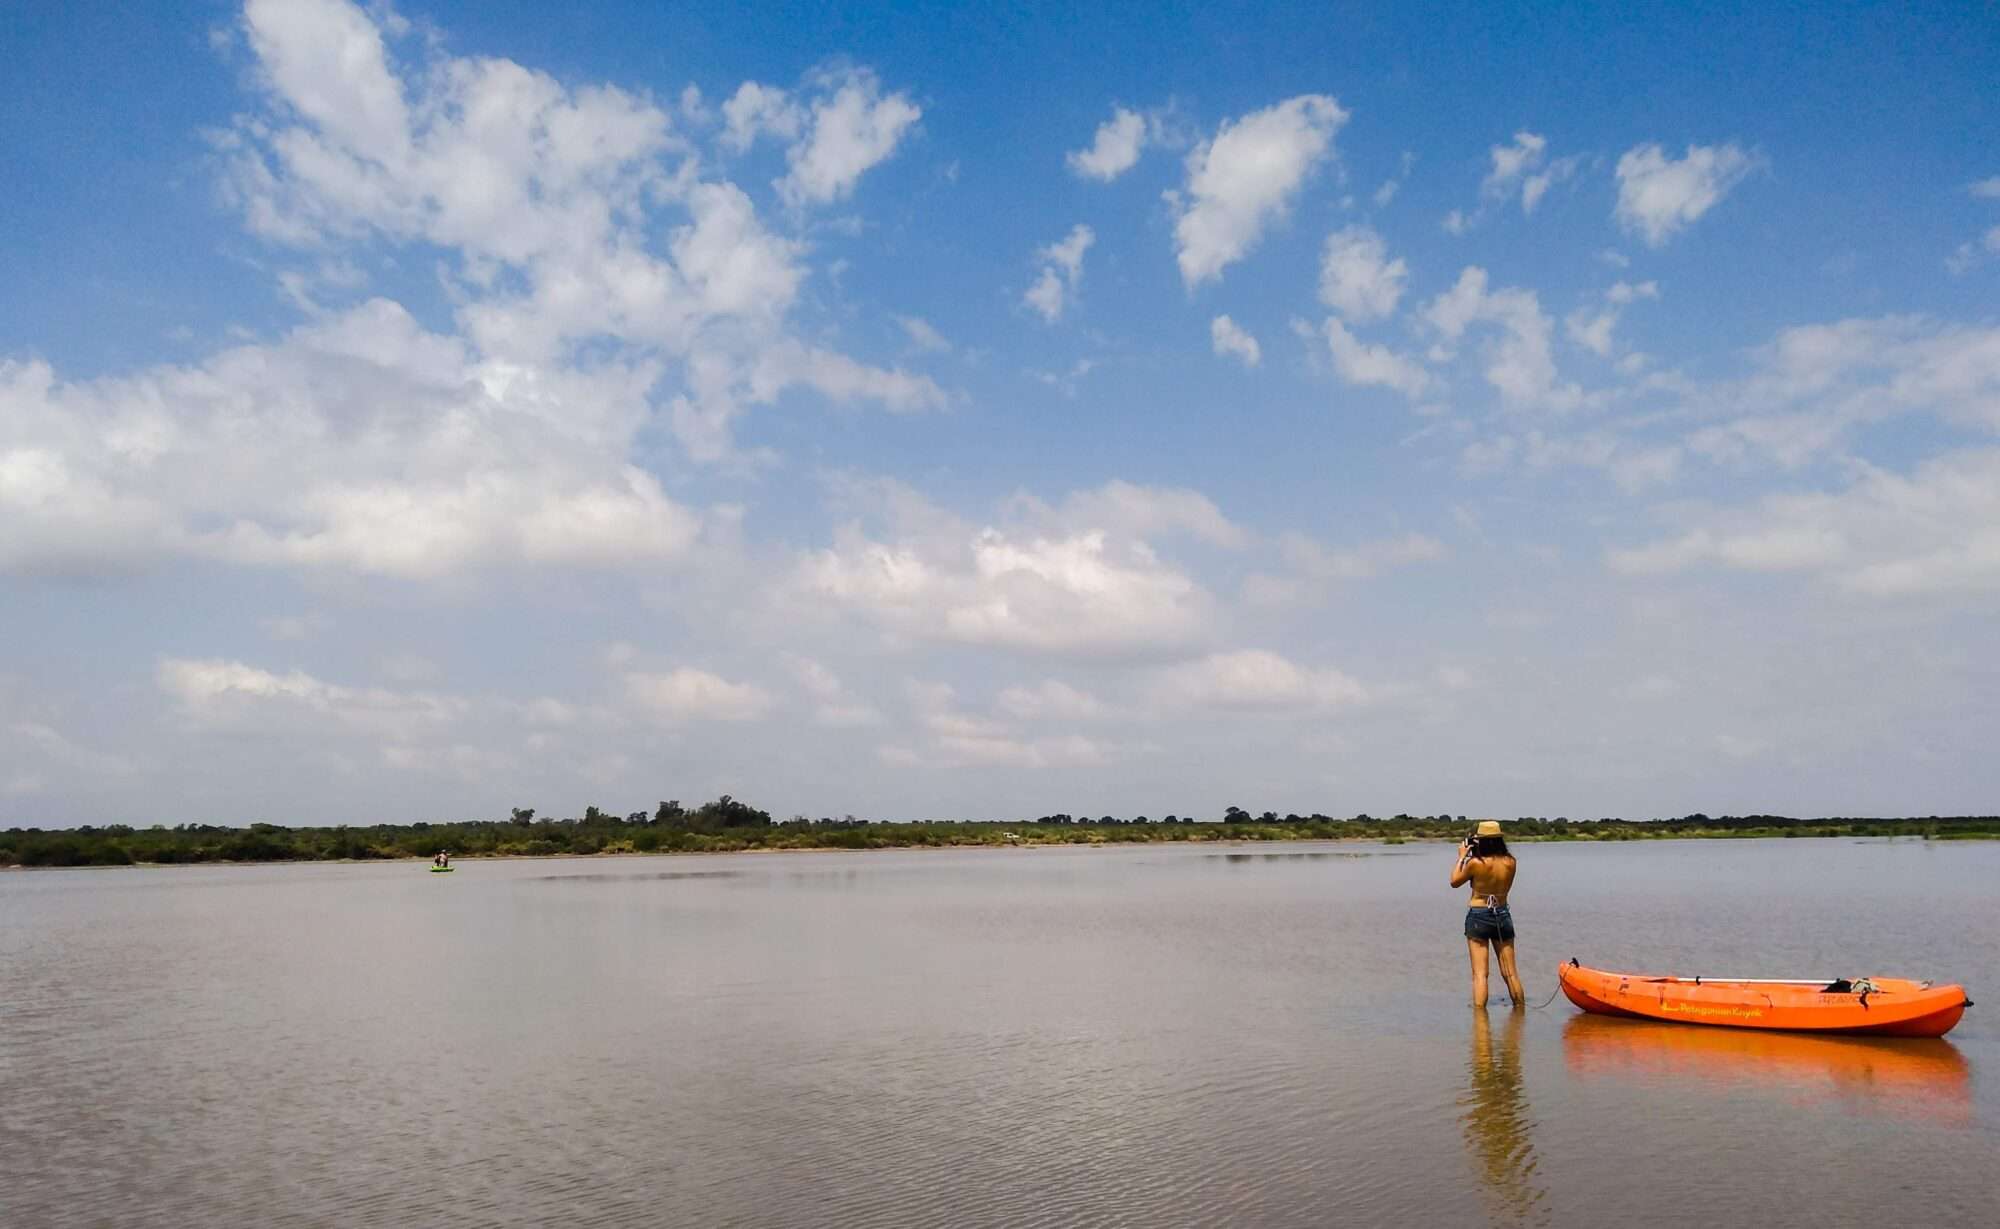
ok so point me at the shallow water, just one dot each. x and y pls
(1140, 1035)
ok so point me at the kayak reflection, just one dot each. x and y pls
(1903, 1077)
(1499, 1129)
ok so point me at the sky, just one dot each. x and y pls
(976, 412)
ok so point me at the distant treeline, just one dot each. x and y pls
(727, 824)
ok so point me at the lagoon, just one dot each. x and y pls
(1129, 1035)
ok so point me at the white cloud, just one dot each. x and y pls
(1520, 167)
(1387, 192)
(1115, 149)
(217, 693)
(1935, 530)
(552, 200)
(1969, 254)
(923, 335)
(1658, 195)
(1050, 700)
(1359, 363)
(1519, 363)
(1062, 273)
(1137, 511)
(1079, 594)
(1535, 186)
(361, 442)
(853, 128)
(1356, 276)
(1510, 164)
(1229, 339)
(758, 109)
(834, 706)
(1988, 188)
(1072, 579)
(1253, 680)
(687, 694)
(1814, 384)
(1592, 329)
(1310, 567)
(1244, 177)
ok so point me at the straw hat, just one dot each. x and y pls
(1487, 827)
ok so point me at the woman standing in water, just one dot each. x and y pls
(1483, 861)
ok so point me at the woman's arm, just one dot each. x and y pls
(1463, 871)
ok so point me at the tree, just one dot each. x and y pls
(524, 816)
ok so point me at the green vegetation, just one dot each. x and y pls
(728, 825)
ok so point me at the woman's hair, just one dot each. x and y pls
(1489, 846)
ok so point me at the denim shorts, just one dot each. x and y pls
(1489, 924)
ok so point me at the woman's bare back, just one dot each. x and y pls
(1491, 880)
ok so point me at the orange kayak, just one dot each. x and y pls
(1876, 1006)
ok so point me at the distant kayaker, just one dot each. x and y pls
(1483, 861)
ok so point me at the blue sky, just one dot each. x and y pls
(413, 412)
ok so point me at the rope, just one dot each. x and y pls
(1552, 998)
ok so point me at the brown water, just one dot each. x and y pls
(1152, 1035)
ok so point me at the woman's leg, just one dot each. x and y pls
(1508, 972)
(1476, 948)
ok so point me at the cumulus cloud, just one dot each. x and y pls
(1519, 363)
(1522, 169)
(360, 442)
(688, 694)
(1659, 195)
(1253, 680)
(1140, 511)
(958, 738)
(1814, 384)
(837, 127)
(1390, 186)
(1062, 273)
(1115, 150)
(1511, 163)
(1591, 328)
(834, 705)
(1050, 700)
(853, 127)
(1246, 176)
(756, 109)
(1074, 578)
(576, 216)
(1357, 362)
(218, 693)
(1356, 276)
(1969, 253)
(1078, 594)
(1933, 530)
(1229, 339)
(924, 335)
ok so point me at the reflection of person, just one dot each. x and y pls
(1497, 1125)
(1483, 861)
